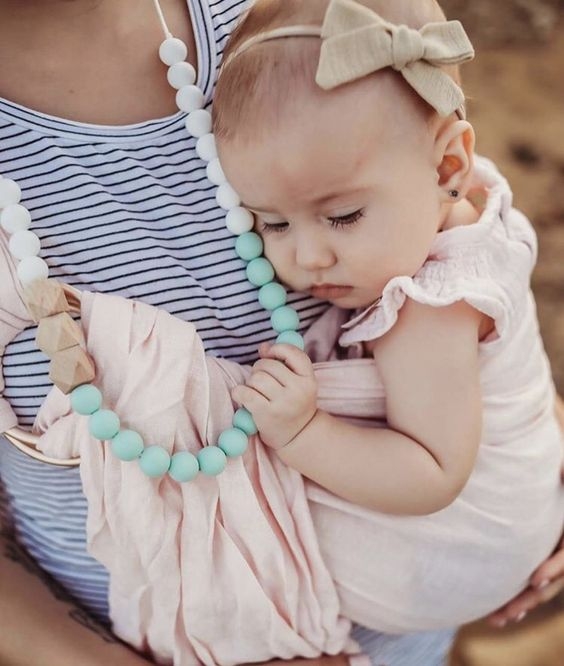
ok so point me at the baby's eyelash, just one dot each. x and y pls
(276, 227)
(336, 222)
(346, 220)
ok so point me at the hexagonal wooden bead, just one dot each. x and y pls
(44, 298)
(58, 332)
(70, 368)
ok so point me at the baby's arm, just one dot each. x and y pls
(429, 366)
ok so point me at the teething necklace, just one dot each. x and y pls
(58, 335)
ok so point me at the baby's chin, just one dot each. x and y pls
(352, 303)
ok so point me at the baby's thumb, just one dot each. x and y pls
(264, 348)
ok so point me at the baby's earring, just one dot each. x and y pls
(454, 194)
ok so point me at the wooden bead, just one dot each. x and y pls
(45, 298)
(70, 368)
(58, 332)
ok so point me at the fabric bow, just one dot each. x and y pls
(358, 42)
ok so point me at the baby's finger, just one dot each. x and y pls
(297, 360)
(249, 398)
(265, 384)
(276, 369)
(264, 348)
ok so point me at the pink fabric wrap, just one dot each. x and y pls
(217, 571)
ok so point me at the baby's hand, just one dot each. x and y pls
(281, 394)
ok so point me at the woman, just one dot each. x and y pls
(106, 185)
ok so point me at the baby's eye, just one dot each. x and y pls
(345, 220)
(275, 227)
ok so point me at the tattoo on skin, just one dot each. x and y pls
(17, 554)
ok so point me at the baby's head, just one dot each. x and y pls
(349, 185)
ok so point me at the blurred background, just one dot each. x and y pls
(516, 104)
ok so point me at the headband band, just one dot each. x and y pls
(357, 42)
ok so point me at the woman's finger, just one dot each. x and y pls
(517, 609)
(550, 570)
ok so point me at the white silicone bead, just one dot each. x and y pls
(24, 244)
(199, 123)
(226, 197)
(173, 50)
(31, 269)
(215, 172)
(189, 98)
(181, 74)
(206, 148)
(10, 192)
(239, 220)
(15, 217)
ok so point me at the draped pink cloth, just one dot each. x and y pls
(217, 571)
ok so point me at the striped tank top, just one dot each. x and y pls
(125, 210)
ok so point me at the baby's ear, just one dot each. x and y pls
(454, 157)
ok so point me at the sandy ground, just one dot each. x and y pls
(517, 108)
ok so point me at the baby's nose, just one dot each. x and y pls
(311, 254)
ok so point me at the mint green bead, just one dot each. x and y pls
(285, 319)
(183, 467)
(233, 442)
(249, 246)
(127, 445)
(212, 460)
(104, 424)
(272, 295)
(291, 338)
(86, 399)
(260, 271)
(154, 461)
(243, 419)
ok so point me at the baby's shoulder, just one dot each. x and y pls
(487, 264)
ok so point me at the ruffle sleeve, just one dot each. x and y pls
(487, 264)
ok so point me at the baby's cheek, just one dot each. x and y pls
(277, 255)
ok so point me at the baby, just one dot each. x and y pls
(349, 144)
(343, 131)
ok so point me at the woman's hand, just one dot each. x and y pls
(281, 393)
(546, 582)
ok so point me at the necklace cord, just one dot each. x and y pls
(162, 20)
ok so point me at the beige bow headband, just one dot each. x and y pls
(358, 42)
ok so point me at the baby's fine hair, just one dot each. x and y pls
(257, 85)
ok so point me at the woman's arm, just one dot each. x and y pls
(41, 624)
(429, 367)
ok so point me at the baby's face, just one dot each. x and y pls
(345, 196)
